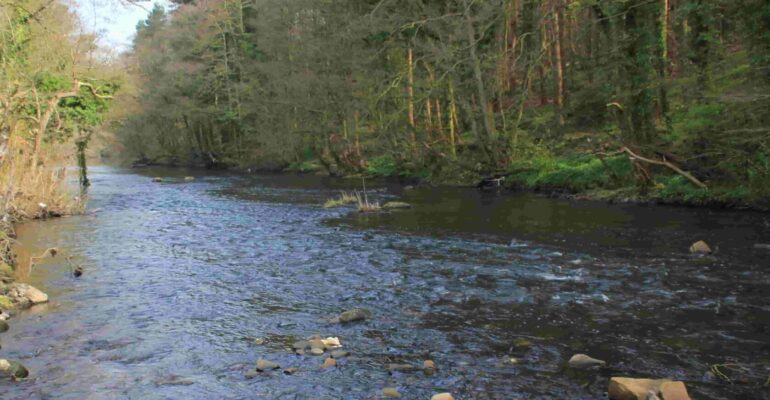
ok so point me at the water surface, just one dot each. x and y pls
(499, 289)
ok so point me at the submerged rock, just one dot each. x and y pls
(400, 367)
(339, 354)
(700, 247)
(290, 371)
(157, 179)
(442, 396)
(633, 389)
(582, 361)
(265, 365)
(189, 178)
(4, 326)
(396, 205)
(391, 393)
(13, 369)
(356, 314)
(300, 345)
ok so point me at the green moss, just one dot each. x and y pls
(5, 269)
(6, 303)
(573, 173)
(305, 166)
(382, 166)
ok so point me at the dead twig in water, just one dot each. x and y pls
(52, 251)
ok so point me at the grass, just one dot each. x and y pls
(365, 206)
(35, 191)
(343, 199)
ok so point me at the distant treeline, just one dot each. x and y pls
(668, 97)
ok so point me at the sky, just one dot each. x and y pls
(114, 20)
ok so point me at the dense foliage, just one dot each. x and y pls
(553, 93)
(53, 92)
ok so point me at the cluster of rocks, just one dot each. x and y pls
(12, 369)
(623, 388)
(20, 296)
(330, 349)
(15, 296)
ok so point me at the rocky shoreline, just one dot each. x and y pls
(14, 296)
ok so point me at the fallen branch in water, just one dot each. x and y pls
(635, 157)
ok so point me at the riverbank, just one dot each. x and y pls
(588, 178)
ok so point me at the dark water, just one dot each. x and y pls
(182, 277)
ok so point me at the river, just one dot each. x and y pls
(187, 284)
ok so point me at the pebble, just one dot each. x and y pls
(391, 392)
(429, 367)
(582, 361)
(329, 363)
(265, 365)
(356, 314)
(290, 371)
(442, 396)
(316, 351)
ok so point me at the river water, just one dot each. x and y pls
(187, 284)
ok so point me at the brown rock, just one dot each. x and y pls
(429, 367)
(700, 247)
(265, 365)
(674, 391)
(290, 371)
(329, 363)
(317, 344)
(633, 389)
(356, 314)
(35, 296)
(391, 392)
(442, 396)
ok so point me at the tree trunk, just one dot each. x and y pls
(559, 60)
(489, 129)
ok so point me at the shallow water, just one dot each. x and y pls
(182, 277)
